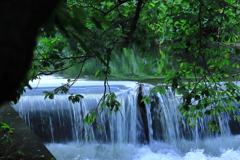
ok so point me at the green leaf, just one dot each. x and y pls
(96, 22)
(162, 90)
(104, 21)
(98, 71)
(146, 99)
(103, 105)
(51, 96)
(99, 127)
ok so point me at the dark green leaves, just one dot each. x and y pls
(104, 21)
(48, 94)
(62, 89)
(213, 125)
(175, 82)
(111, 102)
(75, 98)
(197, 97)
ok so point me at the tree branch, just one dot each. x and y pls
(64, 58)
(135, 19)
(120, 3)
(55, 71)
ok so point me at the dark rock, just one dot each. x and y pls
(23, 139)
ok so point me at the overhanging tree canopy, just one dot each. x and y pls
(200, 38)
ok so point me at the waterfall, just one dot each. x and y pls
(59, 120)
(136, 123)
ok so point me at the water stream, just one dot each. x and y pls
(137, 132)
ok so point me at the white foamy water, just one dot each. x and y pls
(123, 132)
(155, 151)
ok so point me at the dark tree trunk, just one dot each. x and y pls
(20, 21)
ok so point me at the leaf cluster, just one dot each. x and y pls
(110, 101)
(202, 35)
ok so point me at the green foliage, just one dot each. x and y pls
(146, 99)
(48, 94)
(128, 64)
(6, 139)
(90, 117)
(75, 98)
(91, 31)
(207, 65)
(7, 143)
(193, 44)
(64, 89)
(38, 156)
(6, 127)
(110, 102)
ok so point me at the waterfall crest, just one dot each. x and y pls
(136, 123)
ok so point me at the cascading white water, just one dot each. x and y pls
(61, 116)
(157, 131)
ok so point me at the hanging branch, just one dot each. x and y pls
(135, 19)
(56, 71)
